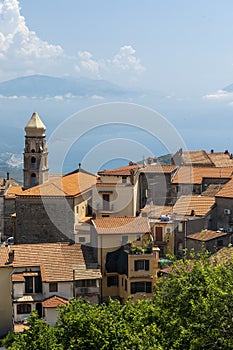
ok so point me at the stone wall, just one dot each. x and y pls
(44, 222)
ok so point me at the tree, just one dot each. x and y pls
(113, 326)
(38, 336)
(195, 305)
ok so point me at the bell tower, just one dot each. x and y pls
(36, 169)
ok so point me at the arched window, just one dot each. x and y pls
(33, 179)
(33, 163)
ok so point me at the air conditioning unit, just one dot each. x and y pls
(227, 211)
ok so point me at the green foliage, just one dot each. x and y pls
(112, 326)
(196, 305)
(39, 336)
(192, 309)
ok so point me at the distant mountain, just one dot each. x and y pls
(42, 86)
(11, 163)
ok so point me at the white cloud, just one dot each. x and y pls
(125, 61)
(16, 38)
(87, 64)
(219, 95)
(22, 52)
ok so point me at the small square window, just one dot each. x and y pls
(124, 179)
(53, 287)
(112, 281)
(82, 239)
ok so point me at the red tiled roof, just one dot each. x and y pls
(158, 168)
(221, 159)
(212, 190)
(68, 185)
(122, 171)
(206, 235)
(156, 211)
(201, 205)
(54, 302)
(195, 175)
(13, 191)
(196, 158)
(57, 261)
(121, 225)
(226, 191)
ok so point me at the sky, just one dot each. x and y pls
(180, 47)
(177, 53)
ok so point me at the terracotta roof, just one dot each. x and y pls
(212, 190)
(201, 205)
(196, 158)
(68, 185)
(57, 261)
(226, 191)
(156, 211)
(122, 171)
(158, 168)
(221, 159)
(13, 191)
(195, 175)
(55, 301)
(121, 225)
(206, 235)
(223, 255)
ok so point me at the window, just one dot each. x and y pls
(86, 283)
(141, 287)
(106, 202)
(38, 284)
(112, 281)
(23, 309)
(33, 179)
(33, 163)
(141, 265)
(82, 239)
(33, 284)
(124, 179)
(28, 284)
(168, 230)
(53, 287)
(219, 243)
(77, 209)
(158, 234)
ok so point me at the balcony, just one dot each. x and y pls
(106, 207)
(86, 290)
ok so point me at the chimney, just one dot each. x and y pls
(132, 176)
(10, 256)
(8, 176)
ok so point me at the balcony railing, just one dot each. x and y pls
(86, 290)
(105, 207)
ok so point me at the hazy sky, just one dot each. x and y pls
(178, 47)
